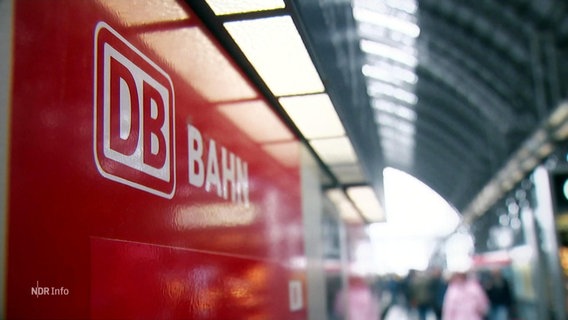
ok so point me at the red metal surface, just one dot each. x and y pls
(104, 246)
(221, 286)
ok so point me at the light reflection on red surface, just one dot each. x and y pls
(213, 215)
(207, 69)
(246, 114)
(199, 285)
(144, 12)
(160, 27)
(286, 153)
(124, 253)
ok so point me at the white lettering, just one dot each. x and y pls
(242, 182)
(212, 177)
(206, 173)
(59, 291)
(195, 154)
(228, 174)
(49, 291)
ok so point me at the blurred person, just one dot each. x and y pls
(438, 287)
(407, 289)
(500, 296)
(357, 302)
(423, 297)
(392, 294)
(465, 299)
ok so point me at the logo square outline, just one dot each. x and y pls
(106, 38)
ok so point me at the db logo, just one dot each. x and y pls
(133, 115)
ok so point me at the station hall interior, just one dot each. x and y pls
(280, 159)
(453, 111)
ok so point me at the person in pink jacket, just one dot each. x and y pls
(464, 299)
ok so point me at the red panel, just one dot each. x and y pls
(134, 281)
(65, 194)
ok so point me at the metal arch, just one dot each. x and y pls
(477, 80)
(491, 140)
(463, 118)
(546, 12)
(436, 91)
(439, 140)
(483, 13)
(431, 92)
(513, 52)
(502, 86)
(430, 175)
(456, 192)
(473, 161)
(466, 155)
(427, 131)
(449, 137)
(427, 145)
(492, 69)
(525, 103)
(495, 108)
(431, 140)
(451, 132)
(444, 176)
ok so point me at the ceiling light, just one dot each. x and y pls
(387, 106)
(545, 149)
(390, 73)
(559, 115)
(378, 89)
(275, 49)
(224, 7)
(314, 115)
(398, 124)
(408, 6)
(530, 163)
(335, 150)
(346, 209)
(366, 201)
(404, 55)
(562, 132)
(389, 21)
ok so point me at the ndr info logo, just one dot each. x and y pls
(133, 116)
(48, 291)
